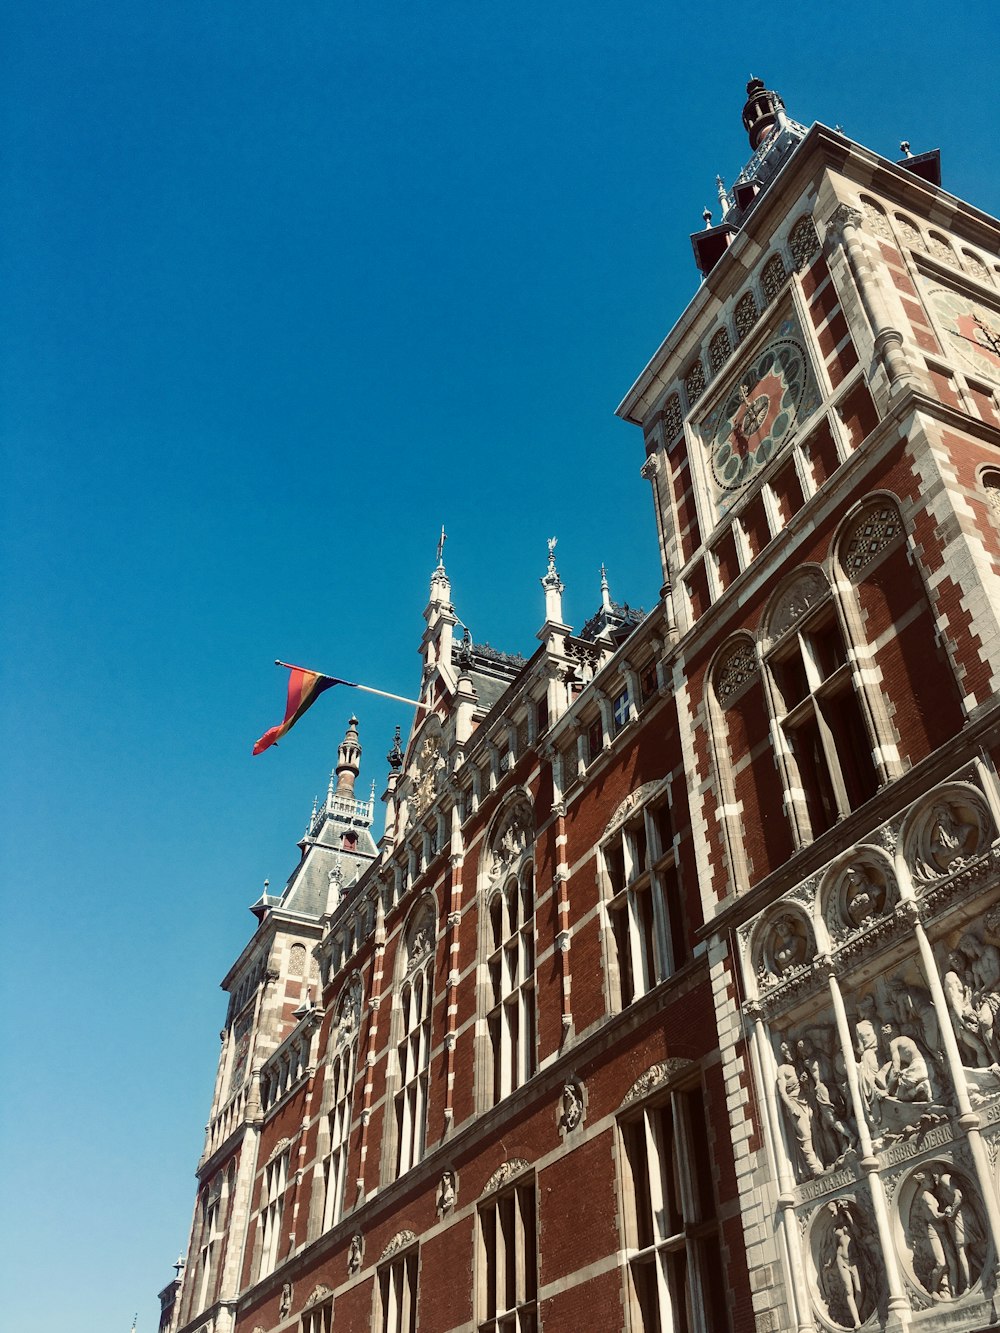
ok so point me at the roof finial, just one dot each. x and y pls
(605, 590)
(904, 148)
(441, 541)
(395, 756)
(553, 586)
(720, 190)
(707, 217)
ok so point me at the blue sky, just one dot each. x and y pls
(282, 289)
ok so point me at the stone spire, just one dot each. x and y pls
(763, 111)
(605, 590)
(436, 643)
(348, 761)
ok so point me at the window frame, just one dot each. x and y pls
(510, 954)
(396, 1292)
(505, 1269)
(275, 1183)
(670, 1219)
(646, 922)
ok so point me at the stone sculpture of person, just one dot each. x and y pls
(907, 1077)
(798, 1112)
(572, 1105)
(355, 1254)
(863, 898)
(446, 1191)
(843, 1266)
(948, 837)
(927, 1235)
(959, 997)
(869, 1062)
(956, 1231)
(983, 972)
(788, 946)
(286, 1300)
(834, 1133)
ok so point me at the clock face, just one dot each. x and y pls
(757, 415)
(972, 329)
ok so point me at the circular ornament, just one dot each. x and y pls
(973, 329)
(758, 415)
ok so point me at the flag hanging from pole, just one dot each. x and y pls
(304, 688)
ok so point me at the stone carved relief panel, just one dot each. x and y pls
(846, 1266)
(511, 841)
(941, 1230)
(947, 831)
(857, 893)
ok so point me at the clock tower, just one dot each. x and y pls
(822, 436)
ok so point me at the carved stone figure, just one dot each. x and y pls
(967, 1026)
(446, 1192)
(927, 1235)
(798, 1113)
(840, 1276)
(956, 1231)
(831, 1137)
(864, 899)
(355, 1254)
(787, 944)
(982, 973)
(869, 1058)
(948, 837)
(906, 1077)
(285, 1304)
(572, 1105)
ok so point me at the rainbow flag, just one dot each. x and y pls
(304, 688)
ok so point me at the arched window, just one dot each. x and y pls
(910, 232)
(940, 247)
(803, 241)
(645, 909)
(509, 946)
(511, 1018)
(876, 219)
(974, 265)
(338, 1092)
(772, 275)
(828, 748)
(719, 349)
(694, 383)
(746, 315)
(413, 1050)
(673, 418)
(991, 489)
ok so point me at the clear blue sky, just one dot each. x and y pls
(282, 288)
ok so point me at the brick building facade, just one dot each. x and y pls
(667, 1000)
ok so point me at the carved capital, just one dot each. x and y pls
(454, 919)
(650, 468)
(562, 940)
(450, 1041)
(842, 218)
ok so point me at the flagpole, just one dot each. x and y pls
(368, 689)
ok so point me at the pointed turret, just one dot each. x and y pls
(436, 644)
(348, 761)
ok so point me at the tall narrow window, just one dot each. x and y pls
(210, 1209)
(275, 1180)
(397, 1294)
(413, 1050)
(648, 927)
(511, 1017)
(672, 1234)
(816, 705)
(337, 1099)
(507, 1278)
